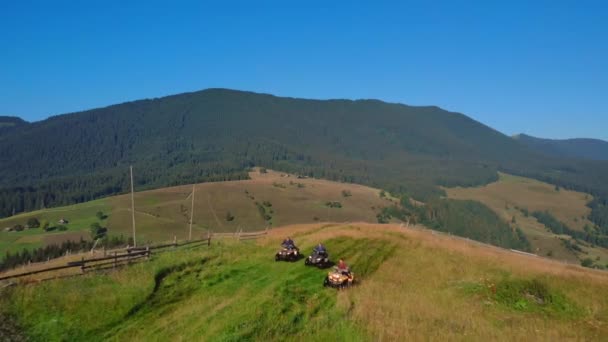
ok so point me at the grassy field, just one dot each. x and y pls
(413, 285)
(163, 214)
(510, 194)
(79, 217)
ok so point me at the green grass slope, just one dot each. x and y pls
(413, 285)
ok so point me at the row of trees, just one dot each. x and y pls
(588, 235)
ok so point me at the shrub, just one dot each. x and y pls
(587, 262)
(229, 217)
(383, 217)
(346, 193)
(33, 222)
(333, 204)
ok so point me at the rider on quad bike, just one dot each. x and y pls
(319, 257)
(288, 252)
(288, 243)
(343, 268)
(340, 277)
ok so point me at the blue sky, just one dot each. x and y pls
(539, 67)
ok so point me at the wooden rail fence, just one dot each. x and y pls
(130, 254)
(115, 259)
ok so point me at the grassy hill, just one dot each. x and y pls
(594, 149)
(515, 199)
(266, 199)
(413, 285)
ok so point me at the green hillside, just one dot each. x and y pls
(412, 285)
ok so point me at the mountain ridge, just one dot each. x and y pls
(218, 133)
(584, 148)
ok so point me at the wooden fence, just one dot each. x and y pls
(114, 259)
(120, 257)
(242, 236)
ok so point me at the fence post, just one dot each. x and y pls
(174, 241)
(115, 260)
(208, 238)
(82, 265)
(148, 252)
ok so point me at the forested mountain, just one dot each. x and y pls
(216, 134)
(593, 149)
(10, 122)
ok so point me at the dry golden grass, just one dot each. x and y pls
(414, 295)
(164, 213)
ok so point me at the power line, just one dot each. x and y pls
(133, 207)
(191, 213)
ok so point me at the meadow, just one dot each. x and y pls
(268, 199)
(413, 284)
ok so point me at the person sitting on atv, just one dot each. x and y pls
(320, 249)
(343, 268)
(288, 243)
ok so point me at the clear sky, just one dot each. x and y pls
(539, 67)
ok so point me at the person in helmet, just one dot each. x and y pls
(288, 243)
(343, 267)
(320, 249)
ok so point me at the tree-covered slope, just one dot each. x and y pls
(216, 134)
(593, 149)
(8, 123)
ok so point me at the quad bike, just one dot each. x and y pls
(288, 253)
(319, 259)
(339, 279)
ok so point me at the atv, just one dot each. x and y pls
(319, 259)
(339, 279)
(288, 253)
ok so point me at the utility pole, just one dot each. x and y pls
(133, 207)
(191, 213)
